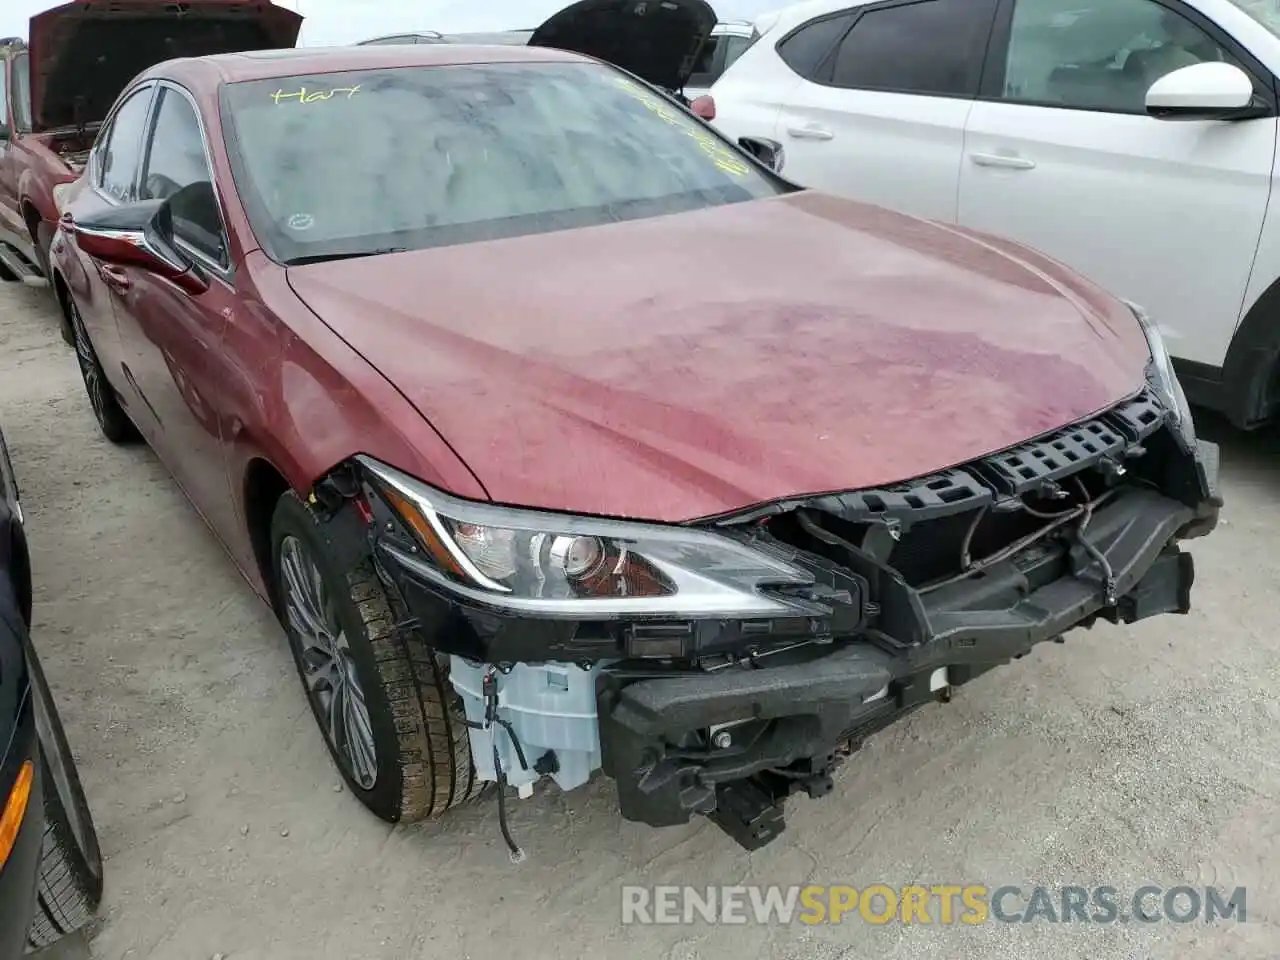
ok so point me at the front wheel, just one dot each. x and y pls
(69, 884)
(112, 420)
(382, 698)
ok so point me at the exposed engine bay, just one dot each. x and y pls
(73, 146)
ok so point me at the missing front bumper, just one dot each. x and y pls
(663, 736)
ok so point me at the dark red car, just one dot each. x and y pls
(565, 436)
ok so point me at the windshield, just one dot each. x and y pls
(1266, 12)
(21, 93)
(363, 162)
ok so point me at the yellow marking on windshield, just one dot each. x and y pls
(724, 158)
(303, 95)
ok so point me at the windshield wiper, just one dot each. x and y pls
(329, 257)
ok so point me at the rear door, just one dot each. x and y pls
(1061, 155)
(881, 116)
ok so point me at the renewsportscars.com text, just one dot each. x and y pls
(945, 904)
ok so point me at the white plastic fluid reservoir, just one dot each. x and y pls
(551, 707)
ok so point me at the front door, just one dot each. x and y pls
(881, 118)
(97, 289)
(1064, 158)
(170, 338)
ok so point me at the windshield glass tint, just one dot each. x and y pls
(1266, 12)
(360, 162)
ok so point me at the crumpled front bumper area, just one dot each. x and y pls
(917, 589)
(776, 727)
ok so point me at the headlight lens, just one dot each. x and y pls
(584, 567)
(1164, 381)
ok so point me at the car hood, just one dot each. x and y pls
(691, 365)
(83, 54)
(657, 40)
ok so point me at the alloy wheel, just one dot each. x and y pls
(328, 669)
(90, 369)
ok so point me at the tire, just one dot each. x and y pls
(112, 420)
(64, 322)
(69, 883)
(421, 764)
(41, 241)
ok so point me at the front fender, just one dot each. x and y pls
(301, 399)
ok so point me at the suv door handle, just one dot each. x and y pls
(1007, 160)
(812, 132)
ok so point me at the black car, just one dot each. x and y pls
(50, 864)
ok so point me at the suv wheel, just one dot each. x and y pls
(382, 698)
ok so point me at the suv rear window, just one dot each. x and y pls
(342, 164)
(805, 49)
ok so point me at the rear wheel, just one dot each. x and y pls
(112, 420)
(382, 698)
(69, 885)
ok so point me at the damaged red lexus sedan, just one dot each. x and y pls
(565, 437)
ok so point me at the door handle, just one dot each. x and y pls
(115, 278)
(1007, 160)
(813, 132)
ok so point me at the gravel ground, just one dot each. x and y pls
(1148, 754)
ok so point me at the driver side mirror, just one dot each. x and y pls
(138, 234)
(768, 152)
(1202, 91)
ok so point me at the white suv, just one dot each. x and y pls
(1134, 140)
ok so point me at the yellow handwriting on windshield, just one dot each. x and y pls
(303, 95)
(724, 158)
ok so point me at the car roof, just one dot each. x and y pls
(267, 64)
(806, 9)
(500, 37)
(430, 34)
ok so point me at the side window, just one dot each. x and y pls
(704, 70)
(20, 92)
(176, 160)
(934, 47)
(1098, 54)
(121, 151)
(734, 48)
(4, 101)
(805, 49)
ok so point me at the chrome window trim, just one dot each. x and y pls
(95, 156)
(225, 271)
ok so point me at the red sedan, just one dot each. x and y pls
(565, 436)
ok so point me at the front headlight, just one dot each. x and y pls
(583, 567)
(1163, 380)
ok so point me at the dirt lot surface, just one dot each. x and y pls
(1123, 757)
